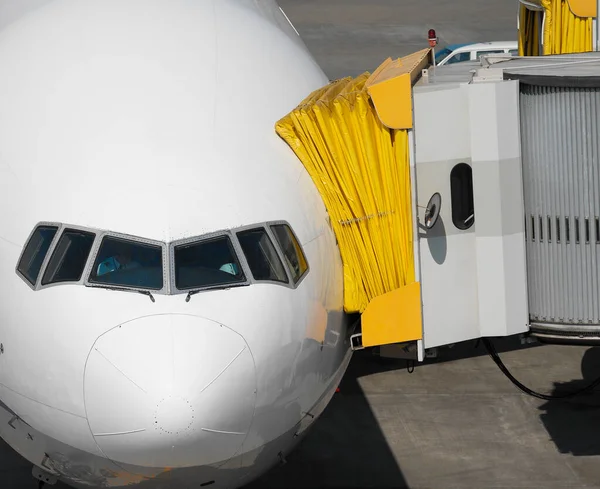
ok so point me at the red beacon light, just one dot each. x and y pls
(432, 38)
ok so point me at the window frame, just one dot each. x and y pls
(289, 271)
(166, 272)
(455, 197)
(168, 257)
(64, 227)
(173, 290)
(59, 226)
(265, 226)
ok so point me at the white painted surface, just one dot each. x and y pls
(498, 199)
(474, 281)
(448, 267)
(156, 119)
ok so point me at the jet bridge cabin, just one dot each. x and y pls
(465, 198)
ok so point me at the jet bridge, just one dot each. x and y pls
(465, 198)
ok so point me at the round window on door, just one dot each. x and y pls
(461, 191)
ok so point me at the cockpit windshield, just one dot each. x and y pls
(69, 258)
(125, 263)
(208, 263)
(60, 253)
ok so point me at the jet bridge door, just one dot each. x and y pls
(471, 264)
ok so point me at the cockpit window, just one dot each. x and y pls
(208, 263)
(67, 253)
(261, 255)
(292, 252)
(69, 257)
(125, 263)
(35, 252)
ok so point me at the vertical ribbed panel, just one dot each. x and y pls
(561, 178)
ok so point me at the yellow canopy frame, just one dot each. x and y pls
(352, 137)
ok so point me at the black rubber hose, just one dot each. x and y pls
(498, 361)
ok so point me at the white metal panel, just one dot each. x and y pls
(156, 118)
(416, 239)
(441, 123)
(72, 429)
(162, 105)
(448, 267)
(498, 203)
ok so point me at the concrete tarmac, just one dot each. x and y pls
(456, 421)
(348, 37)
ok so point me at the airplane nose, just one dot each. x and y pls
(170, 391)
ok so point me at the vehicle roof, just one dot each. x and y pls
(452, 47)
(486, 45)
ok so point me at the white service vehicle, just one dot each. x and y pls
(455, 53)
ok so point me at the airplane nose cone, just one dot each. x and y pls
(170, 391)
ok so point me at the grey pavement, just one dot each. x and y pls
(456, 422)
(348, 37)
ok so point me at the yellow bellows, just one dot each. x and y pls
(529, 32)
(564, 30)
(361, 169)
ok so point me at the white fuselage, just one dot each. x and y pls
(155, 119)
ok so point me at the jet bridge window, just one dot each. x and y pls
(208, 263)
(461, 190)
(35, 251)
(292, 252)
(126, 263)
(262, 256)
(69, 257)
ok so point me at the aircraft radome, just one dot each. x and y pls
(171, 313)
